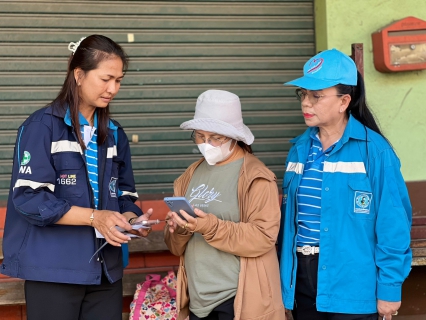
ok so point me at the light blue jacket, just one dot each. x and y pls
(365, 250)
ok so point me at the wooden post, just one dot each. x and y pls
(358, 56)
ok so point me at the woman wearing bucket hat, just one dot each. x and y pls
(344, 243)
(228, 263)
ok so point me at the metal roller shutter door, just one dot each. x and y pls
(178, 49)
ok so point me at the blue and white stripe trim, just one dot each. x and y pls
(296, 167)
(65, 146)
(330, 167)
(344, 167)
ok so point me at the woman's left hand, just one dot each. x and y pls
(191, 223)
(143, 232)
(388, 309)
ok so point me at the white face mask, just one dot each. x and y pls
(214, 155)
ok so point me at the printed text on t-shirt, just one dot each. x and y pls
(202, 193)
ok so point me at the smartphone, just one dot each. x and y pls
(180, 203)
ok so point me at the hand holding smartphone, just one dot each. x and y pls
(176, 204)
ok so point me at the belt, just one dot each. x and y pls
(308, 250)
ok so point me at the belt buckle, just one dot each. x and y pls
(308, 250)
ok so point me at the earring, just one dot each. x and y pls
(79, 84)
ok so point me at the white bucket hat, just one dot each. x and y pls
(219, 111)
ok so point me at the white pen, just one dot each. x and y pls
(147, 222)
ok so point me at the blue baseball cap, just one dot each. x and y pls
(327, 69)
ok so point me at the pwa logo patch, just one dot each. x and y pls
(362, 202)
(25, 160)
(25, 170)
(113, 187)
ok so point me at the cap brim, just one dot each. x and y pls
(311, 83)
(220, 127)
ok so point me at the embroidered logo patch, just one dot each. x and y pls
(26, 158)
(113, 187)
(362, 202)
(315, 65)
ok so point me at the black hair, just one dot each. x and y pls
(358, 107)
(91, 51)
(245, 146)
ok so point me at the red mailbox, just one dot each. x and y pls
(400, 46)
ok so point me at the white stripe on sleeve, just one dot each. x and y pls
(128, 193)
(33, 184)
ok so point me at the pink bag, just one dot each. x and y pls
(155, 298)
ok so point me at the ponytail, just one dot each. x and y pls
(358, 106)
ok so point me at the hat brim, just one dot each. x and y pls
(311, 83)
(220, 127)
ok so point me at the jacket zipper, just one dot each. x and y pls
(101, 176)
(100, 184)
(91, 194)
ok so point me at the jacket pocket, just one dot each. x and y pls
(360, 199)
(71, 178)
(113, 186)
(117, 163)
(257, 292)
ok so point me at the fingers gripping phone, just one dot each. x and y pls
(180, 203)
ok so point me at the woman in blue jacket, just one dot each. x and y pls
(72, 184)
(345, 239)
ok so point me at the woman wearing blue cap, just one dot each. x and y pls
(344, 244)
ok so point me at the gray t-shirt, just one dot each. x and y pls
(212, 274)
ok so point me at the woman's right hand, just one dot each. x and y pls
(170, 222)
(105, 222)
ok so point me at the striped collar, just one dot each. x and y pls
(83, 121)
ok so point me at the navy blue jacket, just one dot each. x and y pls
(49, 176)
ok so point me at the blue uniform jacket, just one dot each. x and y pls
(49, 176)
(365, 226)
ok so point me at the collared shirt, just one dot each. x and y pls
(89, 136)
(309, 194)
